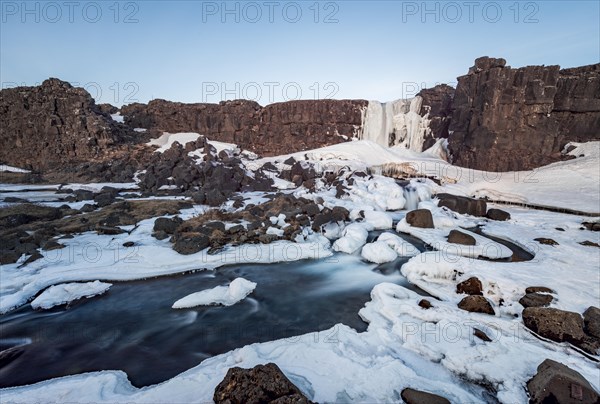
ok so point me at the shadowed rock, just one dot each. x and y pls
(557, 383)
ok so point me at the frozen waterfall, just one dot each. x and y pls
(396, 123)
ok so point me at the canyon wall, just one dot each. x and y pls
(509, 119)
(275, 129)
(53, 124)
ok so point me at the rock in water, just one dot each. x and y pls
(458, 237)
(261, 384)
(412, 396)
(557, 383)
(420, 218)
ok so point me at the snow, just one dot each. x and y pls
(402, 247)
(10, 169)
(118, 117)
(353, 237)
(237, 290)
(379, 220)
(166, 140)
(68, 292)
(378, 252)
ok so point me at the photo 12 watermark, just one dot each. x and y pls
(267, 92)
(53, 12)
(253, 12)
(453, 12)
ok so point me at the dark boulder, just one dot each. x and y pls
(546, 241)
(498, 214)
(554, 324)
(476, 304)
(536, 300)
(557, 383)
(412, 396)
(463, 204)
(538, 289)
(425, 304)
(261, 384)
(104, 199)
(420, 218)
(471, 286)
(591, 321)
(168, 225)
(458, 237)
(191, 243)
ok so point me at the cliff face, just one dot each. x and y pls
(508, 119)
(275, 129)
(53, 124)
(437, 102)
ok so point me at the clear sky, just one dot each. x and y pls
(195, 51)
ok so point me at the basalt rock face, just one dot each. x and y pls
(517, 119)
(272, 130)
(437, 101)
(55, 124)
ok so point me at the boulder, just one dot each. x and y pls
(412, 396)
(554, 324)
(168, 225)
(556, 383)
(191, 243)
(536, 300)
(425, 304)
(538, 289)
(463, 204)
(104, 199)
(546, 241)
(420, 218)
(591, 321)
(458, 237)
(471, 286)
(261, 384)
(481, 335)
(498, 214)
(476, 304)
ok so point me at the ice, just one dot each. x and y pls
(237, 290)
(379, 220)
(68, 292)
(402, 247)
(396, 123)
(378, 252)
(353, 237)
(10, 169)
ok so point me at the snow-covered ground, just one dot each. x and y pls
(405, 345)
(10, 169)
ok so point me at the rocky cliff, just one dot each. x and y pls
(53, 124)
(275, 129)
(517, 119)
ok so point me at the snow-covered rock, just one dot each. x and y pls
(237, 290)
(378, 252)
(68, 292)
(353, 237)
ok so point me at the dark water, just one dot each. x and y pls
(133, 327)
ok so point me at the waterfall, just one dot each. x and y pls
(396, 123)
(412, 198)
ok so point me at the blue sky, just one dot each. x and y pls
(195, 51)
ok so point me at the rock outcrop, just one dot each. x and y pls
(509, 119)
(55, 124)
(272, 130)
(437, 102)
